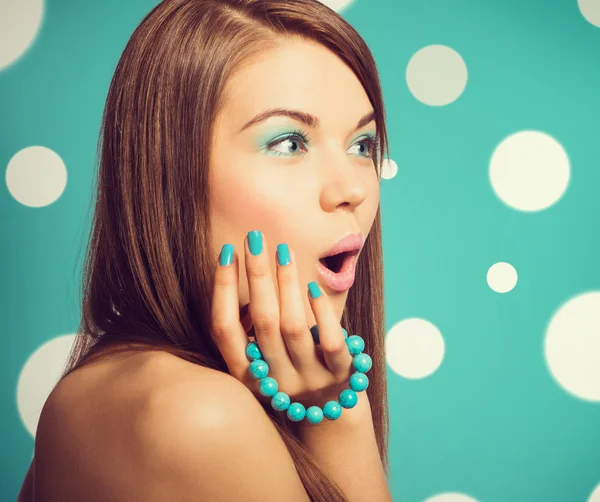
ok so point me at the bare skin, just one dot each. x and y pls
(88, 443)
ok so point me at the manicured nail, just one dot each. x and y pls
(226, 256)
(283, 254)
(255, 242)
(314, 290)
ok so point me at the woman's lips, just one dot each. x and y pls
(344, 278)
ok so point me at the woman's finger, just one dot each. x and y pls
(264, 307)
(335, 351)
(294, 329)
(226, 329)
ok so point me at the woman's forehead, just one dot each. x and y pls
(291, 78)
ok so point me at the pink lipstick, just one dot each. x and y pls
(337, 265)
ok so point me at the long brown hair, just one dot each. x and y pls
(148, 270)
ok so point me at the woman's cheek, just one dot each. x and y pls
(269, 205)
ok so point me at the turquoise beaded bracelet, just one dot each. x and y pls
(280, 401)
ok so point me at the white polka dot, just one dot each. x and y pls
(590, 9)
(20, 21)
(502, 277)
(38, 377)
(529, 170)
(36, 176)
(572, 346)
(436, 75)
(415, 348)
(451, 497)
(337, 5)
(389, 169)
(595, 496)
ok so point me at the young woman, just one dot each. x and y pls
(241, 140)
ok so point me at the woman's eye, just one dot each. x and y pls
(368, 146)
(291, 145)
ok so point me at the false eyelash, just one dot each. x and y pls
(301, 133)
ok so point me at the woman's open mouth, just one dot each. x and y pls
(338, 270)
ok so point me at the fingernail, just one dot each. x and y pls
(255, 242)
(283, 254)
(226, 256)
(314, 290)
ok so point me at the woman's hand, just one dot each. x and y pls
(309, 374)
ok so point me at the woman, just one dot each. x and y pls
(157, 402)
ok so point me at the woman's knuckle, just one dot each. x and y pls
(287, 278)
(259, 270)
(223, 279)
(336, 349)
(265, 321)
(293, 328)
(220, 328)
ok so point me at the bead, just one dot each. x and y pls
(314, 415)
(259, 369)
(253, 351)
(355, 344)
(358, 382)
(280, 401)
(348, 398)
(362, 362)
(296, 412)
(268, 386)
(332, 410)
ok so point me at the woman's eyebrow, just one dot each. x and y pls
(304, 117)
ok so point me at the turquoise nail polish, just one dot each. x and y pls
(226, 256)
(255, 242)
(283, 254)
(313, 287)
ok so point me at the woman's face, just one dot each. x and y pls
(305, 194)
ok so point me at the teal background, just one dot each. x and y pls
(491, 422)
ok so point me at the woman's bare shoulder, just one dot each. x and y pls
(124, 388)
(162, 425)
(215, 442)
(88, 428)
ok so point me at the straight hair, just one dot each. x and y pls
(148, 269)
